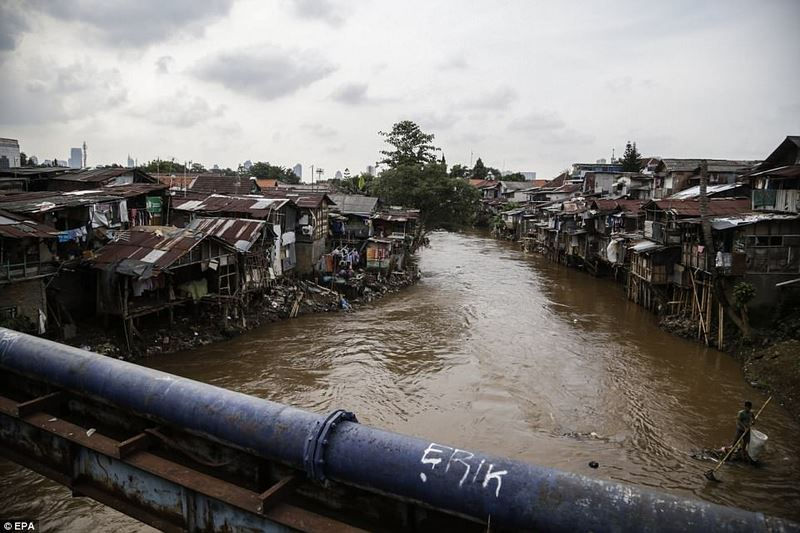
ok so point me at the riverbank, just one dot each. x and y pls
(200, 325)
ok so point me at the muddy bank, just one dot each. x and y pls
(203, 324)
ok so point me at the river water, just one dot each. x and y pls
(503, 352)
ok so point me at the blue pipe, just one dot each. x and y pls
(508, 493)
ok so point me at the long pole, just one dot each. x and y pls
(710, 473)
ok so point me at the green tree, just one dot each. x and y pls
(198, 168)
(23, 159)
(479, 171)
(409, 146)
(631, 159)
(516, 176)
(264, 170)
(459, 171)
(415, 179)
(164, 167)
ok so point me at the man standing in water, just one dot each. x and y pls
(744, 421)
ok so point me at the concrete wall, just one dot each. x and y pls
(27, 296)
(767, 294)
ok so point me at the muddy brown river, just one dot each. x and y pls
(503, 352)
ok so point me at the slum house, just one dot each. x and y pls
(724, 190)
(510, 225)
(254, 242)
(655, 261)
(93, 179)
(281, 213)
(776, 182)
(394, 231)
(147, 203)
(311, 231)
(27, 262)
(722, 171)
(218, 184)
(675, 175)
(150, 269)
(81, 217)
(615, 223)
(28, 178)
(351, 219)
(762, 249)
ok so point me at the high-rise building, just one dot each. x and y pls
(529, 175)
(9, 153)
(371, 170)
(298, 170)
(338, 175)
(247, 164)
(75, 158)
(131, 163)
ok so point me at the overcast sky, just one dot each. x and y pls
(525, 85)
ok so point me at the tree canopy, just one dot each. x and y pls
(165, 167)
(631, 160)
(266, 171)
(409, 146)
(479, 171)
(414, 178)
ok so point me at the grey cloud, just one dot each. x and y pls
(499, 98)
(537, 121)
(12, 25)
(137, 23)
(322, 10)
(163, 64)
(62, 93)
(265, 73)
(437, 121)
(454, 62)
(351, 94)
(320, 130)
(180, 110)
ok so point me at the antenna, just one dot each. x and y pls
(84, 154)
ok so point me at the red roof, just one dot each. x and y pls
(624, 204)
(716, 206)
(17, 227)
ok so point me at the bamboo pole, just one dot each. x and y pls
(699, 309)
(721, 328)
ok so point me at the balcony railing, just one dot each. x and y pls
(27, 269)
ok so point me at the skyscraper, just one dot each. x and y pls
(371, 170)
(9, 148)
(131, 164)
(75, 158)
(298, 170)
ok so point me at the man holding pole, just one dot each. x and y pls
(744, 421)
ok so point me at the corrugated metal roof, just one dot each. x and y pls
(37, 202)
(98, 175)
(16, 227)
(256, 206)
(241, 233)
(214, 183)
(716, 206)
(135, 189)
(354, 204)
(159, 246)
(694, 192)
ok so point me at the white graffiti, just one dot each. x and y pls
(460, 462)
